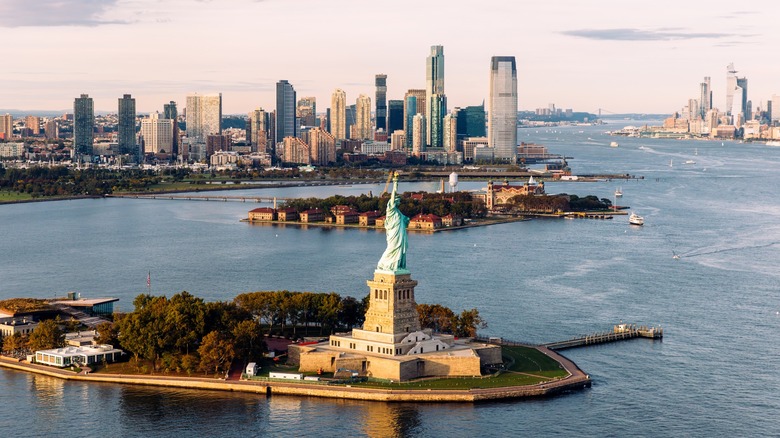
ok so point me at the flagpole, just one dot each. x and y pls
(149, 283)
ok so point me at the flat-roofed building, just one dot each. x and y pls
(85, 355)
(11, 326)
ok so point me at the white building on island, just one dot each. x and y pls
(85, 355)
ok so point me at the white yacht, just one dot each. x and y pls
(619, 192)
(636, 219)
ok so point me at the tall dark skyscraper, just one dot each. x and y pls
(395, 115)
(438, 111)
(381, 102)
(471, 122)
(125, 132)
(83, 124)
(285, 112)
(350, 116)
(170, 112)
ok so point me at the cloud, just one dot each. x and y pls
(662, 34)
(21, 13)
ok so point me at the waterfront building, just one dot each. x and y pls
(204, 116)
(418, 135)
(470, 145)
(33, 125)
(428, 222)
(171, 113)
(157, 134)
(312, 215)
(434, 85)
(338, 114)
(83, 125)
(285, 112)
(125, 130)
(224, 160)
(500, 194)
(380, 81)
(362, 129)
(257, 130)
(450, 132)
(306, 111)
(86, 355)
(296, 151)
(502, 113)
(395, 115)
(288, 214)
(7, 126)
(368, 218)
(263, 214)
(323, 147)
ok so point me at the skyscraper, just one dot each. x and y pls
(83, 124)
(204, 116)
(125, 131)
(171, 113)
(381, 102)
(418, 134)
(742, 85)
(450, 132)
(338, 114)
(414, 103)
(285, 112)
(157, 134)
(437, 112)
(258, 130)
(33, 124)
(502, 112)
(362, 129)
(395, 115)
(350, 117)
(705, 99)
(434, 84)
(471, 121)
(731, 86)
(306, 111)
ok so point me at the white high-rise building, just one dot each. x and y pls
(157, 134)
(434, 85)
(502, 115)
(450, 130)
(418, 134)
(204, 116)
(338, 114)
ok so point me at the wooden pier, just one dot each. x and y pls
(619, 332)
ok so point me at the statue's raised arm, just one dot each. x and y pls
(394, 257)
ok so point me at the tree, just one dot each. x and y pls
(215, 352)
(47, 336)
(437, 317)
(14, 342)
(107, 333)
(468, 322)
(248, 343)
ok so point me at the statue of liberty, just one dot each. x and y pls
(394, 257)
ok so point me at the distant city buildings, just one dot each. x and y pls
(125, 131)
(380, 81)
(170, 112)
(157, 134)
(257, 130)
(434, 90)
(395, 115)
(285, 112)
(414, 103)
(204, 116)
(306, 111)
(502, 113)
(338, 114)
(6, 126)
(362, 129)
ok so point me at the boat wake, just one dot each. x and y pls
(719, 251)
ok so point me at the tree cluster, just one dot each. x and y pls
(460, 203)
(45, 336)
(61, 181)
(558, 203)
(442, 319)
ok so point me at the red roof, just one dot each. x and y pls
(312, 211)
(288, 210)
(426, 218)
(374, 213)
(263, 210)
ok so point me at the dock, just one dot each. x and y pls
(619, 332)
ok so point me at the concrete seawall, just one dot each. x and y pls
(573, 381)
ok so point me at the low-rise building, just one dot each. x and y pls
(11, 326)
(369, 218)
(287, 214)
(346, 217)
(312, 215)
(452, 220)
(85, 355)
(262, 214)
(425, 222)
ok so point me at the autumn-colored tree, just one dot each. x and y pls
(46, 336)
(216, 353)
(14, 342)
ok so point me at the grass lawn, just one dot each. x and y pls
(6, 196)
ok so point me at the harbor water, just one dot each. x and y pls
(715, 373)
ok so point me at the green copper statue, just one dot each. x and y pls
(394, 257)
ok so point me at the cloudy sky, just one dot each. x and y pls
(618, 55)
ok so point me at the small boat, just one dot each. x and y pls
(636, 219)
(689, 162)
(671, 163)
(614, 144)
(619, 192)
(675, 255)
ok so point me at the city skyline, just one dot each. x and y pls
(618, 57)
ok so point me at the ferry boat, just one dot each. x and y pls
(635, 219)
